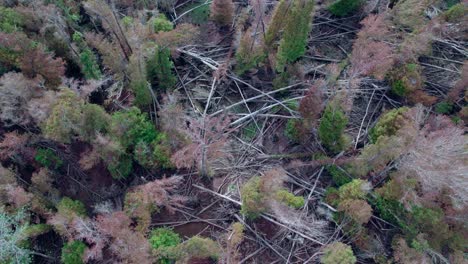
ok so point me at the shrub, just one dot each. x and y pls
(406, 79)
(163, 237)
(338, 253)
(332, 125)
(69, 207)
(198, 247)
(72, 252)
(36, 230)
(121, 166)
(94, 120)
(389, 123)
(291, 131)
(356, 189)
(162, 151)
(164, 241)
(444, 107)
(248, 54)
(298, 24)
(10, 20)
(47, 158)
(290, 199)
(159, 69)
(64, 120)
(38, 61)
(345, 7)
(410, 13)
(456, 12)
(161, 23)
(358, 210)
(339, 177)
(252, 198)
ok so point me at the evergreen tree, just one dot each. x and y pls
(89, 64)
(159, 69)
(294, 41)
(331, 128)
(277, 23)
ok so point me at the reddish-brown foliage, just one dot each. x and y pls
(359, 210)
(39, 62)
(209, 137)
(12, 145)
(311, 105)
(17, 196)
(158, 192)
(459, 86)
(126, 245)
(372, 56)
(438, 158)
(222, 12)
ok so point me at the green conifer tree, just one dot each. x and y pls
(332, 125)
(159, 69)
(297, 27)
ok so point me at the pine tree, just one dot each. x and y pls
(332, 125)
(159, 69)
(294, 41)
(276, 23)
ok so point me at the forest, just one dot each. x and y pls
(233, 131)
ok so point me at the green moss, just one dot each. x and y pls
(443, 107)
(345, 7)
(47, 158)
(72, 252)
(68, 207)
(252, 199)
(388, 124)
(290, 199)
(338, 175)
(161, 23)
